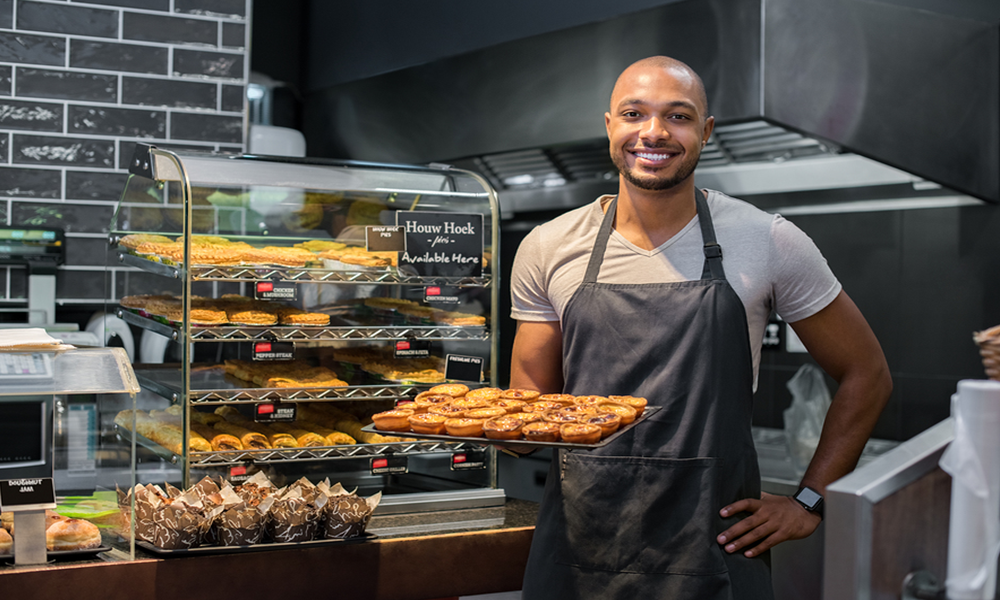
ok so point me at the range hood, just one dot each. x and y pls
(897, 95)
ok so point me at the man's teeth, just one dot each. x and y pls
(649, 156)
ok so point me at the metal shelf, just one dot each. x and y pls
(223, 459)
(285, 333)
(297, 274)
(211, 386)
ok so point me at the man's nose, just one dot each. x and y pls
(655, 128)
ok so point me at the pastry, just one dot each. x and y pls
(463, 427)
(393, 420)
(580, 410)
(304, 437)
(589, 400)
(529, 417)
(205, 418)
(510, 406)
(487, 393)
(541, 431)
(218, 440)
(426, 400)
(251, 440)
(506, 427)
(565, 399)
(519, 394)
(638, 403)
(608, 422)
(332, 436)
(469, 403)
(455, 390)
(542, 406)
(134, 240)
(72, 534)
(448, 410)
(485, 413)
(6, 542)
(560, 417)
(428, 423)
(580, 433)
(296, 316)
(627, 413)
(242, 316)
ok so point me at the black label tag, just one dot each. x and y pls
(27, 494)
(389, 465)
(772, 336)
(441, 295)
(273, 351)
(270, 290)
(274, 413)
(445, 244)
(464, 368)
(412, 349)
(385, 238)
(241, 473)
(470, 460)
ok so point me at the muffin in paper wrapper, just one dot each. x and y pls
(296, 513)
(167, 522)
(989, 349)
(347, 514)
(240, 524)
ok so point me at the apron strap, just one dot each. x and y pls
(713, 251)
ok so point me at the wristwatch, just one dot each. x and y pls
(810, 500)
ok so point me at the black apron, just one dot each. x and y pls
(638, 518)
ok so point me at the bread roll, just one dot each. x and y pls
(251, 440)
(218, 440)
(72, 534)
(6, 542)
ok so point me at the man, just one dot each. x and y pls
(664, 291)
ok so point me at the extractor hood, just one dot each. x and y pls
(807, 95)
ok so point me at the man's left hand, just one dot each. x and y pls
(773, 519)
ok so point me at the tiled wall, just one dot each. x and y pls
(80, 84)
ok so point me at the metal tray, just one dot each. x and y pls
(261, 547)
(65, 554)
(650, 410)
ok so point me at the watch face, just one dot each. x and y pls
(808, 497)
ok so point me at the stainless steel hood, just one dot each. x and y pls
(805, 92)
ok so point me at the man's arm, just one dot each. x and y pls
(536, 362)
(840, 340)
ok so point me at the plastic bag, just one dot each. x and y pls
(804, 418)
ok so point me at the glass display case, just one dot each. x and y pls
(279, 303)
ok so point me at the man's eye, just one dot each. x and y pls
(678, 117)
(631, 114)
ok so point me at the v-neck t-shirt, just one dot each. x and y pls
(770, 263)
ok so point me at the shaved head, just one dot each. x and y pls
(675, 68)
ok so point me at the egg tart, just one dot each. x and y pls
(636, 402)
(540, 431)
(520, 394)
(448, 410)
(503, 428)
(455, 390)
(541, 407)
(469, 404)
(560, 417)
(426, 400)
(511, 406)
(427, 423)
(485, 413)
(393, 420)
(565, 399)
(626, 412)
(589, 400)
(487, 393)
(580, 433)
(462, 427)
(608, 422)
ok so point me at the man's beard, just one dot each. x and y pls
(653, 183)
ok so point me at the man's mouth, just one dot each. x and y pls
(653, 156)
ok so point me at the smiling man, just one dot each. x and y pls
(664, 291)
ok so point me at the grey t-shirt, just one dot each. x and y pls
(769, 262)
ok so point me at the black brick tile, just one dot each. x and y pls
(127, 148)
(118, 57)
(216, 8)
(87, 251)
(65, 18)
(35, 49)
(43, 150)
(214, 128)
(80, 284)
(154, 28)
(234, 35)
(6, 14)
(47, 83)
(36, 116)
(80, 218)
(232, 98)
(4, 146)
(91, 185)
(29, 183)
(102, 120)
(163, 5)
(211, 64)
(18, 283)
(5, 80)
(163, 92)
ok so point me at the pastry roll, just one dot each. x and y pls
(251, 440)
(333, 437)
(277, 439)
(204, 418)
(218, 440)
(305, 438)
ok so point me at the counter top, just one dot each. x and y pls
(490, 544)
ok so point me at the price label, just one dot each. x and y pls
(27, 494)
(269, 290)
(273, 351)
(471, 460)
(240, 473)
(385, 238)
(273, 413)
(412, 349)
(464, 368)
(389, 465)
(441, 295)
(446, 244)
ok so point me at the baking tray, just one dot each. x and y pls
(65, 554)
(650, 410)
(261, 547)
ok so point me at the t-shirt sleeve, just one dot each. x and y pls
(528, 283)
(803, 282)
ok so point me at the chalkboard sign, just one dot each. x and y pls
(27, 494)
(463, 368)
(443, 244)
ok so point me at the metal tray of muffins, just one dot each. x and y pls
(259, 547)
(649, 411)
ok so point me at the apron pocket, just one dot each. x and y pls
(641, 515)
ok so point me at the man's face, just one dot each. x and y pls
(657, 127)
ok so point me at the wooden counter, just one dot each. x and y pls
(466, 562)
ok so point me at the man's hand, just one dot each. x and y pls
(773, 519)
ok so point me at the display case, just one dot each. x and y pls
(298, 297)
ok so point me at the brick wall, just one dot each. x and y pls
(80, 84)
